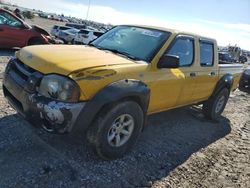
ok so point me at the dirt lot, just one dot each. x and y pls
(179, 148)
(45, 23)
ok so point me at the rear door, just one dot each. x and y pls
(208, 71)
(12, 31)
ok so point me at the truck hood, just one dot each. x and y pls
(65, 59)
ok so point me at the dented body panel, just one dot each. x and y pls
(53, 115)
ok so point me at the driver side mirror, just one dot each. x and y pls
(169, 61)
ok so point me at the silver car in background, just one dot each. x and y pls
(67, 36)
(84, 36)
(57, 28)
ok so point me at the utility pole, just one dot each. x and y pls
(88, 10)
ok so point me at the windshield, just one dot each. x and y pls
(140, 43)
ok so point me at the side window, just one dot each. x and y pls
(206, 53)
(183, 47)
(3, 19)
(7, 19)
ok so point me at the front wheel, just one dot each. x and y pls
(214, 106)
(116, 130)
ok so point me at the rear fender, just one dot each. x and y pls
(225, 82)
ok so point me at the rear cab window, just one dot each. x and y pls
(206, 53)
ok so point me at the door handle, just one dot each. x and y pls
(212, 74)
(192, 74)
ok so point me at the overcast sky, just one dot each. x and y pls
(226, 20)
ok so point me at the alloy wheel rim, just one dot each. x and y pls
(220, 104)
(120, 130)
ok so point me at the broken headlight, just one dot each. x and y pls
(60, 88)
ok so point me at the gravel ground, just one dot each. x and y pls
(178, 148)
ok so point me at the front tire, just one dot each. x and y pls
(214, 106)
(116, 129)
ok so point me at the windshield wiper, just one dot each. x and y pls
(120, 52)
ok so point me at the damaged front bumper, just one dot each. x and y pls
(53, 116)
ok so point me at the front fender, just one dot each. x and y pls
(113, 92)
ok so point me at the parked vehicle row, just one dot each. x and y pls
(74, 35)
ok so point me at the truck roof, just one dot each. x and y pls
(175, 31)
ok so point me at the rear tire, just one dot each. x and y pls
(214, 106)
(124, 121)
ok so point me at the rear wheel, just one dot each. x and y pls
(214, 106)
(116, 130)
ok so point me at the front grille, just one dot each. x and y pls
(22, 70)
(24, 75)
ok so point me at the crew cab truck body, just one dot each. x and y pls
(108, 87)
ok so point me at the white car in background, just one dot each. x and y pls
(57, 28)
(84, 36)
(67, 36)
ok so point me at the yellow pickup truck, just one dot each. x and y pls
(108, 87)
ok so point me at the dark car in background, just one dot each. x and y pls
(225, 58)
(14, 32)
(245, 77)
(243, 59)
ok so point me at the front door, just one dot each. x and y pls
(184, 47)
(175, 87)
